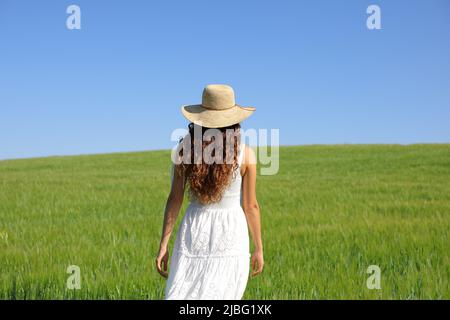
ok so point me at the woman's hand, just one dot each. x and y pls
(162, 261)
(257, 263)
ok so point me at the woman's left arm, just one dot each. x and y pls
(173, 205)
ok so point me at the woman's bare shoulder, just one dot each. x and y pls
(248, 159)
(249, 155)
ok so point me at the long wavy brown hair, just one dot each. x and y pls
(208, 181)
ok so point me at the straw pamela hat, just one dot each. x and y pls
(218, 108)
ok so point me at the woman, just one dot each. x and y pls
(211, 252)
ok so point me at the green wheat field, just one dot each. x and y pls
(329, 213)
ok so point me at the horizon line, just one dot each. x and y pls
(169, 149)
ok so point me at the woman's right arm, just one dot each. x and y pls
(173, 206)
(251, 209)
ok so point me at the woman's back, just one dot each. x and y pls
(211, 250)
(233, 193)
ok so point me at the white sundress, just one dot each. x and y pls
(210, 258)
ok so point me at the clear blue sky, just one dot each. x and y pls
(311, 68)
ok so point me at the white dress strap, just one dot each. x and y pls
(241, 153)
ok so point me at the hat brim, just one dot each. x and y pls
(216, 118)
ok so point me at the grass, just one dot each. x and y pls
(329, 213)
